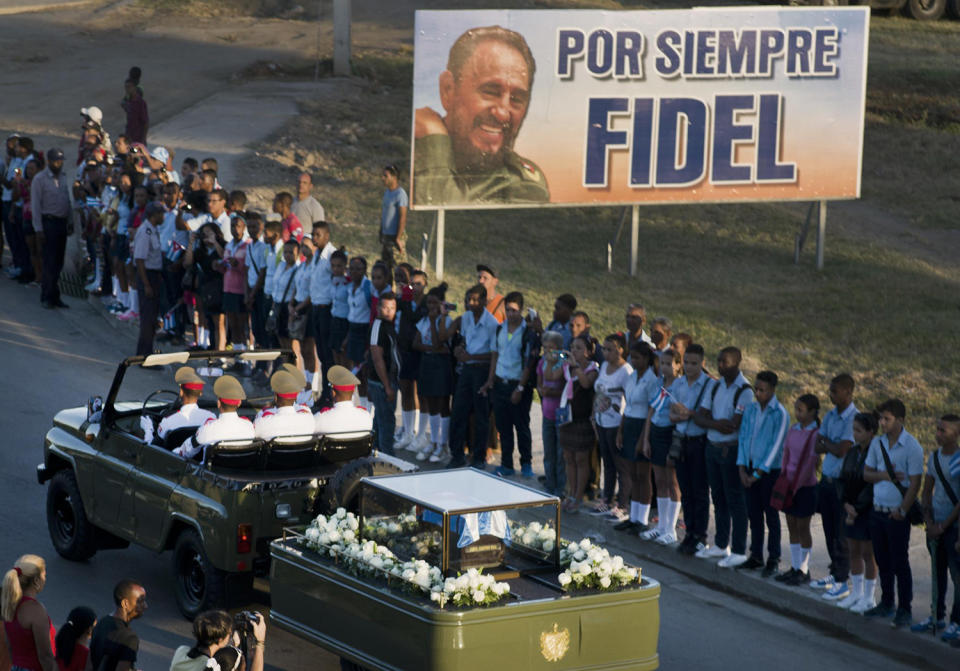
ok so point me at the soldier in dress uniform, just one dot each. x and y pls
(343, 419)
(286, 418)
(228, 426)
(301, 381)
(189, 414)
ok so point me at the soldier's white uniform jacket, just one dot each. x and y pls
(293, 420)
(228, 426)
(345, 420)
(188, 415)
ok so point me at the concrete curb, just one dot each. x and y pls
(802, 603)
(130, 330)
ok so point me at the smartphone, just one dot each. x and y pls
(450, 307)
(531, 314)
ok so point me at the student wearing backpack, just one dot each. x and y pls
(894, 465)
(720, 414)
(799, 467)
(760, 450)
(941, 507)
(856, 495)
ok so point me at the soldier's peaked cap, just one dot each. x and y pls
(342, 379)
(297, 374)
(187, 377)
(229, 390)
(284, 385)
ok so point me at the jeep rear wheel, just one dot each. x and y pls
(200, 585)
(72, 534)
(925, 10)
(343, 489)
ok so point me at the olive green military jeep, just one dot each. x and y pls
(107, 487)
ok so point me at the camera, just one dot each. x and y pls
(531, 314)
(450, 307)
(243, 625)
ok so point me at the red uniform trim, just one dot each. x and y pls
(287, 396)
(192, 386)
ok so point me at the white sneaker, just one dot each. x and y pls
(403, 443)
(666, 539)
(825, 582)
(839, 591)
(865, 603)
(732, 561)
(426, 452)
(850, 600)
(702, 553)
(650, 534)
(418, 443)
(716, 553)
(441, 453)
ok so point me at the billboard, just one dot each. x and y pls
(582, 107)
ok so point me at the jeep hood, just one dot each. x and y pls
(71, 419)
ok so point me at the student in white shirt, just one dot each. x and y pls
(641, 388)
(479, 330)
(607, 414)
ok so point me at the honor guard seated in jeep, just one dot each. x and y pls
(286, 418)
(343, 419)
(188, 415)
(304, 397)
(228, 426)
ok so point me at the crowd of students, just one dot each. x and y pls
(630, 423)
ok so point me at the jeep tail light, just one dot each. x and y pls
(244, 538)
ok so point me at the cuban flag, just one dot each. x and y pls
(176, 251)
(954, 465)
(657, 403)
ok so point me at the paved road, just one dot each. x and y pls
(51, 360)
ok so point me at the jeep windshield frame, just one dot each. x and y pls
(110, 412)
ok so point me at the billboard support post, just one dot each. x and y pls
(440, 226)
(821, 233)
(634, 239)
(341, 38)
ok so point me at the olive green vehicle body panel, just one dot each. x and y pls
(386, 630)
(145, 494)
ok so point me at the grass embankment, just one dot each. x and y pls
(723, 273)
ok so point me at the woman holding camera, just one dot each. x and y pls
(205, 252)
(213, 632)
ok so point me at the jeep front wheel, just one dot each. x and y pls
(200, 585)
(72, 534)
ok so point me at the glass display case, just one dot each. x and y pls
(461, 519)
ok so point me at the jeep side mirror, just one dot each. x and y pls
(94, 409)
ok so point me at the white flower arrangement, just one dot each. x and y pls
(536, 536)
(472, 588)
(592, 567)
(336, 536)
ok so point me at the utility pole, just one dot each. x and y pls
(341, 38)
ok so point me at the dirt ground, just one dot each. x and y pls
(79, 56)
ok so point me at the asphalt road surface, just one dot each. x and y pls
(55, 359)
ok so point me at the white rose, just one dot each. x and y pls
(349, 536)
(564, 578)
(605, 582)
(548, 546)
(529, 538)
(617, 563)
(584, 568)
(535, 527)
(579, 555)
(606, 566)
(479, 596)
(341, 512)
(585, 544)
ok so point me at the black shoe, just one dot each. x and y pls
(786, 575)
(456, 463)
(880, 610)
(626, 525)
(60, 304)
(751, 563)
(799, 578)
(903, 618)
(773, 565)
(48, 305)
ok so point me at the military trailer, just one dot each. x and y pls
(456, 521)
(108, 487)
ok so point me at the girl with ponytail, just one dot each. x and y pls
(30, 634)
(73, 640)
